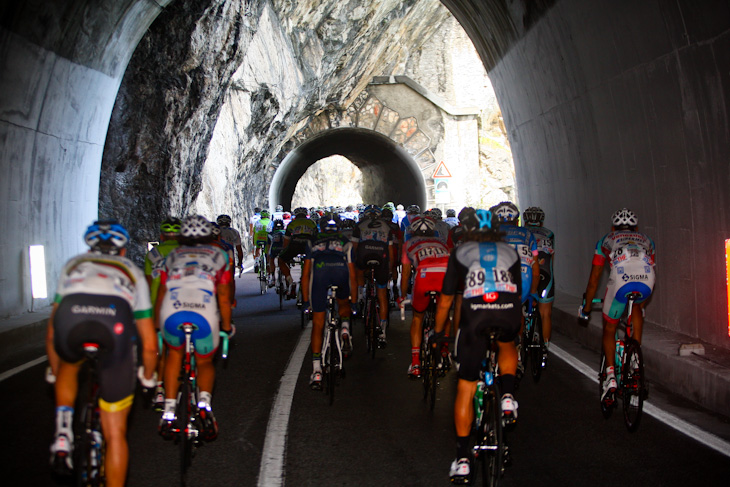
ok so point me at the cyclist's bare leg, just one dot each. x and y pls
(383, 301)
(416, 324)
(206, 372)
(457, 314)
(637, 321)
(344, 307)
(317, 331)
(67, 383)
(114, 429)
(284, 266)
(507, 358)
(464, 406)
(546, 315)
(172, 370)
(609, 342)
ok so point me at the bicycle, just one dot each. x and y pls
(90, 450)
(533, 340)
(490, 447)
(188, 422)
(629, 370)
(263, 268)
(332, 363)
(430, 356)
(304, 315)
(371, 309)
(280, 287)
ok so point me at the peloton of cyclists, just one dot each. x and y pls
(630, 255)
(101, 297)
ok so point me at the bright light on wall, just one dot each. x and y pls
(38, 271)
(727, 281)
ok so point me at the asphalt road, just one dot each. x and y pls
(377, 432)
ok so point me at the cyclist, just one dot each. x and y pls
(278, 213)
(412, 212)
(451, 219)
(442, 228)
(399, 213)
(489, 271)
(534, 218)
(196, 287)
(101, 297)
(387, 215)
(373, 240)
(468, 221)
(299, 233)
(254, 218)
(346, 227)
(525, 244)
(429, 256)
(276, 244)
(153, 262)
(631, 258)
(261, 236)
(328, 261)
(233, 237)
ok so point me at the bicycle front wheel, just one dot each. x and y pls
(606, 409)
(632, 385)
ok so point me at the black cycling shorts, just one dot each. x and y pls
(372, 251)
(109, 322)
(328, 271)
(478, 317)
(294, 248)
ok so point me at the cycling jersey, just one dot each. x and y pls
(192, 275)
(523, 241)
(430, 257)
(300, 231)
(451, 221)
(276, 242)
(631, 256)
(231, 236)
(153, 262)
(330, 255)
(99, 297)
(261, 230)
(373, 238)
(546, 249)
(491, 277)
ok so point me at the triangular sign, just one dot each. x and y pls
(441, 171)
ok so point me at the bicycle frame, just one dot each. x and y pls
(429, 355)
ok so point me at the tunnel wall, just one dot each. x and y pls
(613, 104)
(58, 82)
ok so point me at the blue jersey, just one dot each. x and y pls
(485, 269)
(524, 242)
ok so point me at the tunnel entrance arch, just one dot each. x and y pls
(389, 172)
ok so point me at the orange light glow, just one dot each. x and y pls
(727, 281)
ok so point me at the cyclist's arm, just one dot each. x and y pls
(224, 295)
(592, 287)
(406, 271)
(146, 331)
(306, 273)
(442, 312)
(239, 251)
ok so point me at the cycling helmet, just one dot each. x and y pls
(216, 229)
(485, 220)
(287, 215)
(624, 217)
(505, 211)
(265, 214)
(257, 210)
(348, 223)
(389, 205)
(170, 226)
(349, 208)
(468, 218)
(414, 209)
(106, 237)
(279, 208)
(423, 227)
(371, 211)
(399, 207)
(386, 214)
(196, 227)
(225, 220)
(434, 213)
(330, 226)
(450, 213)
(533, 216)
(301, 211)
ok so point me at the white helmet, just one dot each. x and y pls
(624, 217)
(196, 227)
(505, 211)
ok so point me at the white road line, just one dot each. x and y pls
(707, 439)
(21, 368)
(271, 471)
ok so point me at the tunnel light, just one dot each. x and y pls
(38, 271)
(727, 281)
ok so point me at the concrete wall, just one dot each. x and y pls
(58, 82)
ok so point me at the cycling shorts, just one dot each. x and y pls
(274, 251)
(109, 322)
(374, 251)
(477, 318)
(195, 306)
(546, 287)
(294, 248)
(328, 270)
(615, 301)
(429, 277)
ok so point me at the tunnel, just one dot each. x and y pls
(389, 172)
(606, 103)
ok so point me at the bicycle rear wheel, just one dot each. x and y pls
(492, 439)
(89, 454)
(535, 346)
(632, 385)
(332, 363)
(280, 289)
(184, 420)
(373, 321)
(606, 409)
(262, 274)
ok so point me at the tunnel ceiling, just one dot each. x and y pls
(389, 173)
